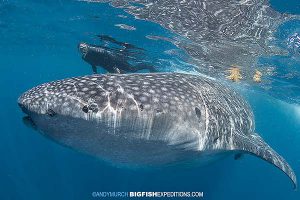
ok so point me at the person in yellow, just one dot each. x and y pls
(257, 76)
(235, 74)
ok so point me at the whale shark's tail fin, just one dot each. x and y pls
(254, 144)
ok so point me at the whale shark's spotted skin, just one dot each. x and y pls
(147, 118)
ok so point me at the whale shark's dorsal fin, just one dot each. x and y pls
(254, 144)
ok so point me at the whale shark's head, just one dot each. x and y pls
(35, 103)
(56, 98)
(61, 109)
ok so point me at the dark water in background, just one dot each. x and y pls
(39, 44)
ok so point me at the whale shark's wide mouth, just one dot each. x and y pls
(27, 120)
(23, 107)
(35, 100)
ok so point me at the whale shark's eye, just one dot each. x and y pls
(50, 113)
(198, 112)
(85, 109)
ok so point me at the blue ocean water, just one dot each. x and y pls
(39, 44)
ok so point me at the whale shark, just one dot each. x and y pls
(148, 119)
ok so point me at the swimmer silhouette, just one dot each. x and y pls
(121, 59)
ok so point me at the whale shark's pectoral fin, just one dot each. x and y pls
(254, 144)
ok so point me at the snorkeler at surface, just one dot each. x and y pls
(123, 58)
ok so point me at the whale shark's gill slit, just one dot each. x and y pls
(141, 107)
(203, 138)
(198, 112)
